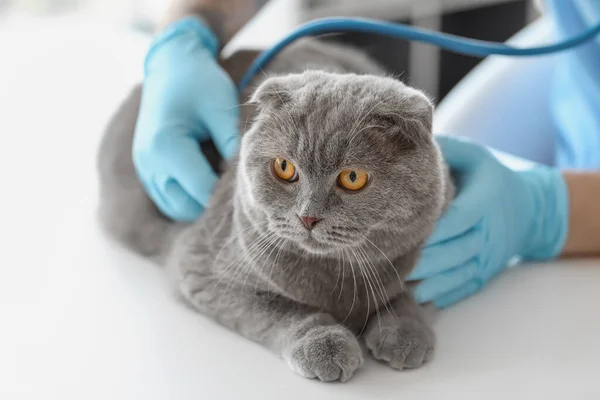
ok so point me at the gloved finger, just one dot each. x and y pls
(460, 154)
(184, 206)
(456, 295)
(223, 129)
(455, 222)
(446, 255)
(431, 288)
(191, 170)
(465, 211)
(160, 201)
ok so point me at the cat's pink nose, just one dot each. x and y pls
(309, 222)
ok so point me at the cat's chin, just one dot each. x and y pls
(314, 246)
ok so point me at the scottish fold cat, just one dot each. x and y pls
(313, 227)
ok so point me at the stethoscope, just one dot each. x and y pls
(457, 44)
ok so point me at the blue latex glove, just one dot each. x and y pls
(186, 98)
(498, 214)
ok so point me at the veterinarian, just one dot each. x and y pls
(498, 215)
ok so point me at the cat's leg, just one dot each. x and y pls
(312, 343)
(401, 338)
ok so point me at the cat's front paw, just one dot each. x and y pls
(403, 343)
(329, 353)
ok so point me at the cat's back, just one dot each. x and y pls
(309, 54)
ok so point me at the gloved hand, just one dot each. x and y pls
(186, 98)
(497, 214)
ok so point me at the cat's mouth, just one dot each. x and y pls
(314, 245)
(326, 242)
(320, 240)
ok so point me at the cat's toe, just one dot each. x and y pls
(328, 353)
(406, 344)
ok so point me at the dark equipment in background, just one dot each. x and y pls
(433, 70)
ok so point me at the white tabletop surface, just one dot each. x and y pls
(81, 318)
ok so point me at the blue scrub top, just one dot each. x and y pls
(575, 93)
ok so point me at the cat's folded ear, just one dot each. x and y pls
(408, 113)
(272, 93)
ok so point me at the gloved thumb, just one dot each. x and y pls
(223, 129)
(459, 153)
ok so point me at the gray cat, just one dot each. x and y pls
(313, 227)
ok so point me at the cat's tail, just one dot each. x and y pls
(126, 212)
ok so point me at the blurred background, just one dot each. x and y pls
(426, 67)
(66, 64)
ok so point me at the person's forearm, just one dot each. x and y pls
(224, 17)
(584, 214)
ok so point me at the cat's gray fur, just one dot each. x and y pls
(250, 264)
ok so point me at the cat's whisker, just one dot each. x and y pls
(337, 279)
(400, 281)
(354, 289)
(246, 122)
(385, 299)
(236, 262)
(257, 252)
(236, 106)
(368, 286)
(232, 271)
(343, 277)
(276, 245)
(239, 266)
(258, 255)
(246, 103)
(227, 271)
(281, 244)
(373, 270)
(236, 236)
(247, 261)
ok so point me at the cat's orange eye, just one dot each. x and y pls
(353, 179)
(284, 170)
